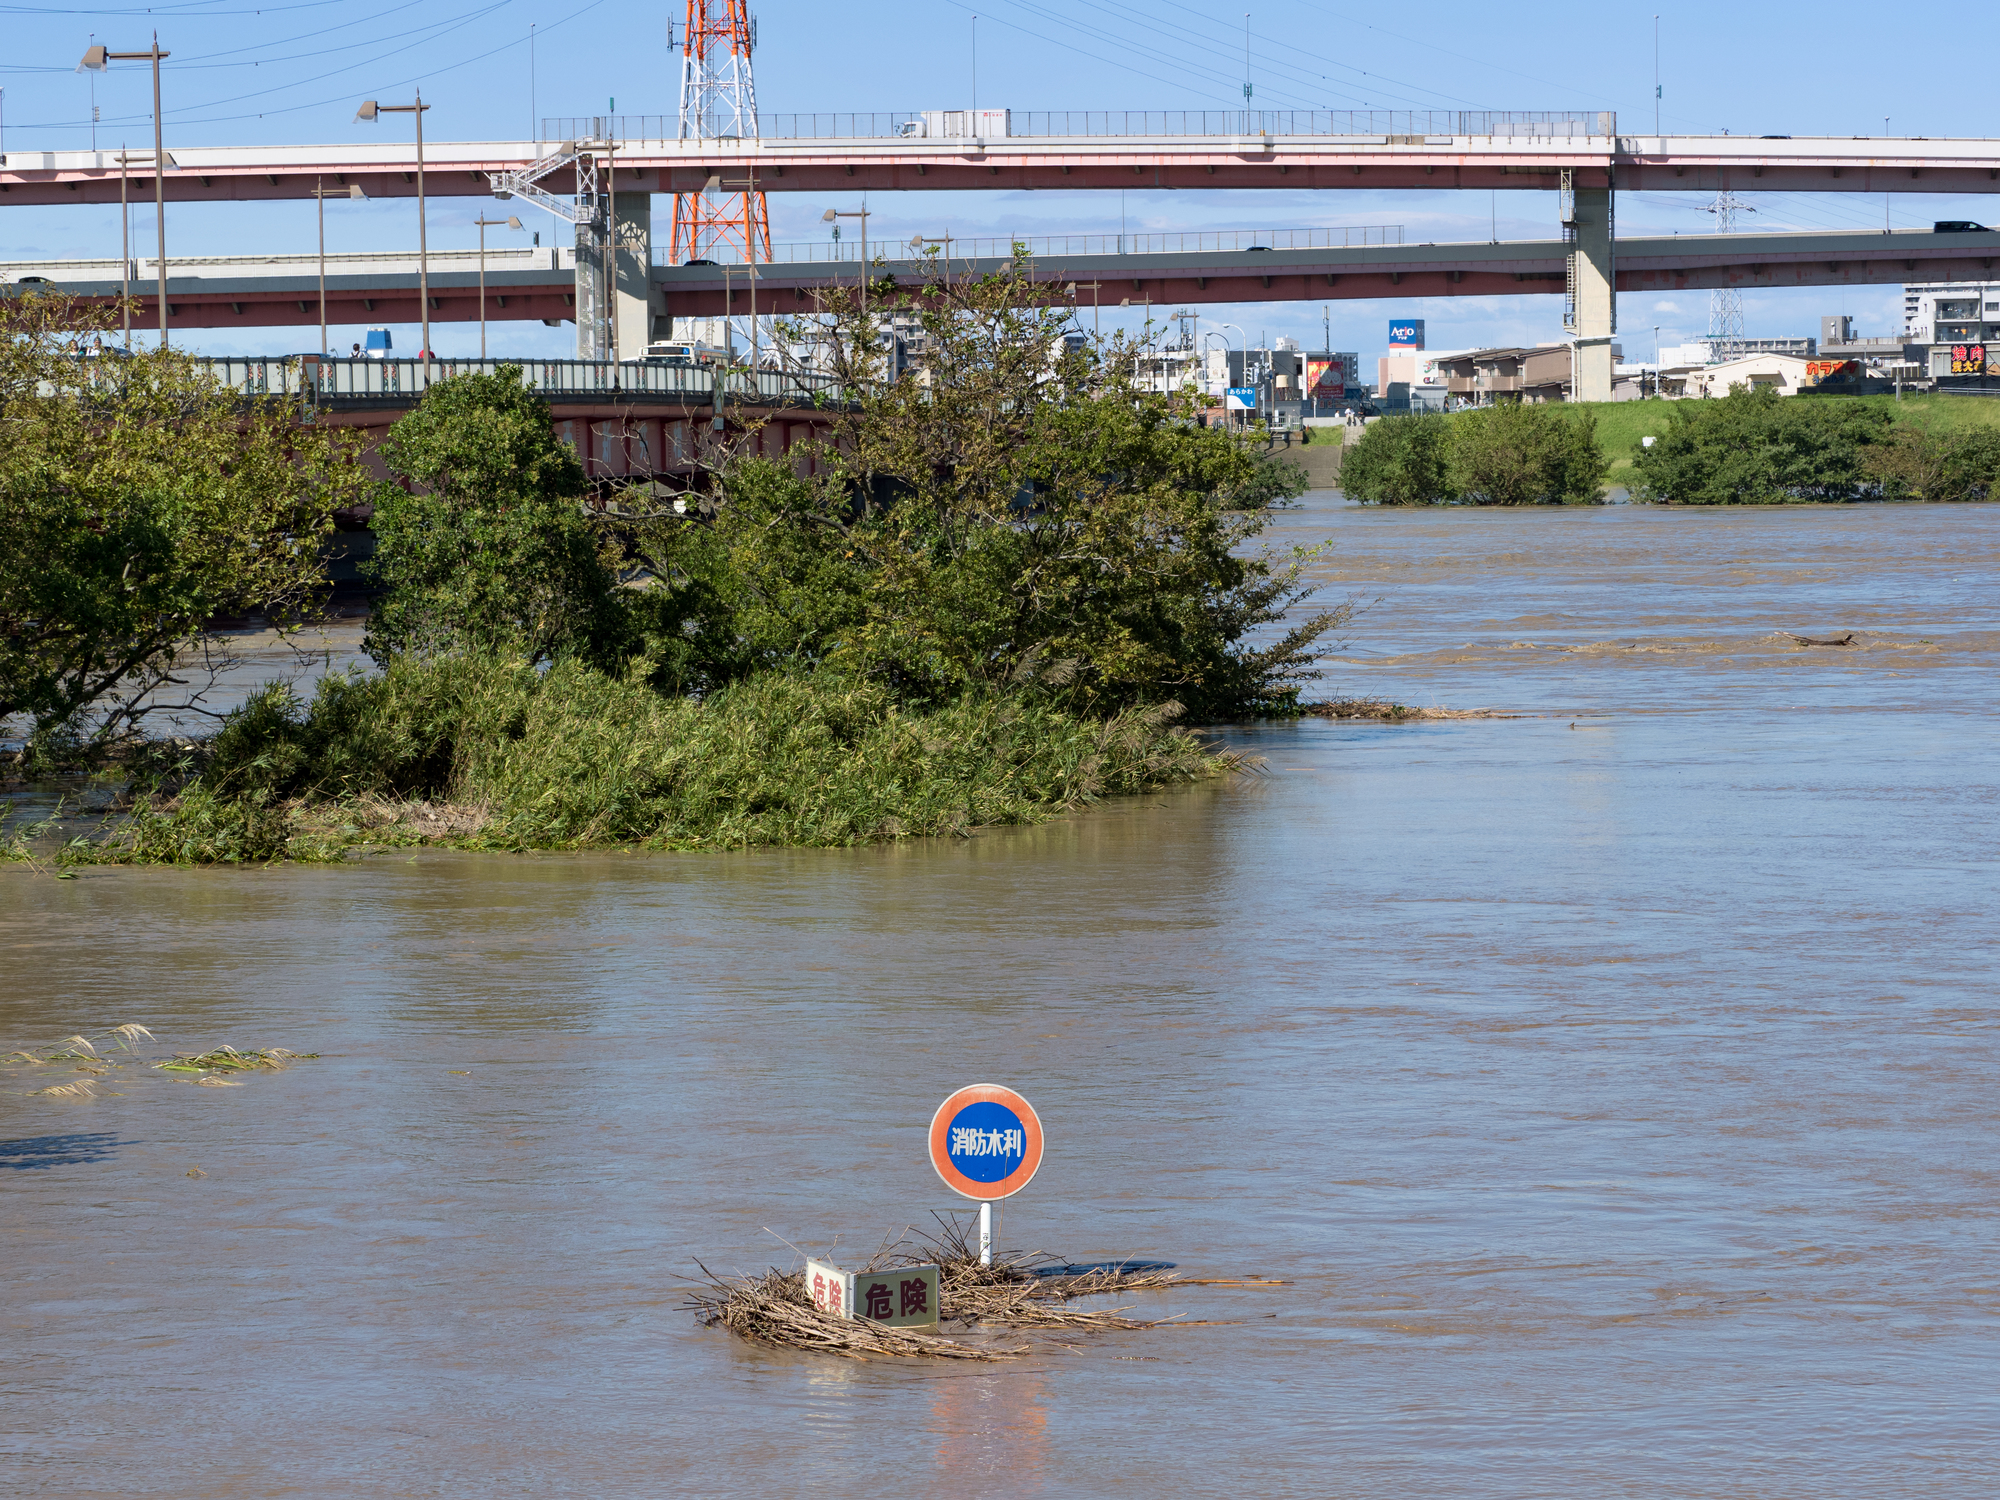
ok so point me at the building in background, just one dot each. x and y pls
(1414, 382)
(1172, 369)
(1782, 373)
(1537, 374)
(1292, 384)
(1951, 312)
(1715, 351)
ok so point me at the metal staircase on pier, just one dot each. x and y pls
(591, 214)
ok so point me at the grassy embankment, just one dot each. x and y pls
(1620, 424)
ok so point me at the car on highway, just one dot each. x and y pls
(1958, 226)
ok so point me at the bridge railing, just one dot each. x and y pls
(1516, 124)
(312, 378)
(1170, 242)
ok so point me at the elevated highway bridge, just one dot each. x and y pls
(1081, 150)
(1582, 155)
(539, 284)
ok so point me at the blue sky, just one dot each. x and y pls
(294, 71)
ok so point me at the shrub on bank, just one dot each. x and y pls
(1400, 461)
(1517, 454)
(1511, 454)
(1757, 448)
(1924, 463)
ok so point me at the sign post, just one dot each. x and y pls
(986, 1143)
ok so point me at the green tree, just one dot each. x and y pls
(1008, 512)
(1913, 462)
(1757, 448)
(1519, 454)
(139, 502)
(1400, 461)
(489, 545)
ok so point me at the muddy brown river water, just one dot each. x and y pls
(1616, 1087)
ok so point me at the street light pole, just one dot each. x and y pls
(1246, 361)
(512, 223)
(125, 160)
(125, 244)
(862, 214)
(352, 190)
(368, 111)
(96, 60)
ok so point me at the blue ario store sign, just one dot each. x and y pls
(1406, 333)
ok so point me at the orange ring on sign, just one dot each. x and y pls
(1031, 1157)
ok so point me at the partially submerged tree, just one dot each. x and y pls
(1010, 510)
(1401, 461)
(1924, 461)
(139, 502)
(1754, 447)
(489, 545)
(1507, 454)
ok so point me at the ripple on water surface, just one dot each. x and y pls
(1619, 1100)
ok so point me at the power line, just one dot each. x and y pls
(182, 117)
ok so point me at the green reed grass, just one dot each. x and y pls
(487, 753)
(120, 1049)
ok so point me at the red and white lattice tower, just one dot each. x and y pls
(719, 103)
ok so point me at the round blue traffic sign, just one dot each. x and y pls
(986, 1142)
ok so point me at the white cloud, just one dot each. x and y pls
(1666, 307)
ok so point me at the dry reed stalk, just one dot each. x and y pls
(83, 1088)
(773, 1309)
(1028, 1292)
(83, 1057)
(1393, 713)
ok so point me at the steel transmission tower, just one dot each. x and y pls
(719, 103)
(1725, 304)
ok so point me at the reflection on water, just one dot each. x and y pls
(991, 1431)
(1618, 1099)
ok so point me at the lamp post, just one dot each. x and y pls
(1246, 360)
(1095, 288)
(368, 111)
(125, 162)
(352, 191)
(97, 59)
(512, 223)
(862, 214)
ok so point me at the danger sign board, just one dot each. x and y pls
(986, 1142)
(831, 1289)
(901, 1297)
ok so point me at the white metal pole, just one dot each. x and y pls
(319, 196)
(125, 241)
(160, 185)
(423, 245)
(986, 1234)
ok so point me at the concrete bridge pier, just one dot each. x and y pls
(634, 302)
(1593, 281)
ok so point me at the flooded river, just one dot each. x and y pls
(1616, 1087)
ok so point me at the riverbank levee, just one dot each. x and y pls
(1613, 1085)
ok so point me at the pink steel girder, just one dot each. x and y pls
(1478, 269)
(1697, 164)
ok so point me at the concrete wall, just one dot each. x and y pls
(1320, 459)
